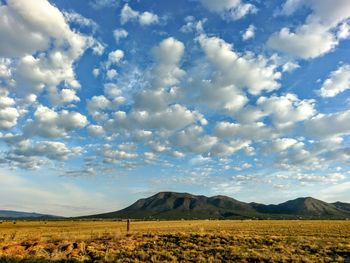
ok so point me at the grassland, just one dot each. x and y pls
(172, 241)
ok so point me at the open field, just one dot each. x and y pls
(171, 241)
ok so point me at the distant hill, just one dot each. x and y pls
(305, 206)
(343, 206)
(7, 214)
(171, 205)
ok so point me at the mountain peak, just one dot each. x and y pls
(308, 198)
(167, 194)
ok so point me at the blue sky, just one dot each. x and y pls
(103, 102)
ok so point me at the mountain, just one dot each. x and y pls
(171, 205)
(343, 206)
(305, 206)
(6, 214)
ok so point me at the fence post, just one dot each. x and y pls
(128, 225)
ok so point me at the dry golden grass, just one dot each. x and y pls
(172, 241)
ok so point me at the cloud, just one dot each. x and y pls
(49, 149)
(76, 18)
(43, 58)
(290, 66)
(111, 74)
(8, 111)
(312, 178)
(192, 25)
(187, 136)
(96, 104)
(8, 117)
(309, 41)
(192, 139)
(145, 18)
(321, 10)
(249, 33)
(344, 31)
(96, 130)
(227, 149)
(99, 4)
(32, 21)
(254, 131)
(96, 46)
(178, 154)
(328, 125)
(49, 123)
(115, 57)
(157, 146)
(203, 145)
(62, 96)
(128, 14)
(318, 35)
(172, 118)
(338, 82)
(5, 68)
(290, 6)
(120, 34)
(112, 91)
(142, 135)
(281, 144)
(111, 155)
(256, 74)
(249, 114)
(36, 73)
(96, 72)
(286, 110)
(229, 9)
(312, 155)
(24, 162)
(228, 98)
(167, 56)
(154, 100)
(29, 154)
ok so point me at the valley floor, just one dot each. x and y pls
(172, 241)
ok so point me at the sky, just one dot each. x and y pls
(103, 102)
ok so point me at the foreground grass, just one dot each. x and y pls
(171, 241)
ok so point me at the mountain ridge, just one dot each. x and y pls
(10, 214)
(174, 205)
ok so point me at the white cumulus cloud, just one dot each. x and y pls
(249, 33)
(49, 123)
(145, 18)
(229, 9)
(321, 33)
(338, 82)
